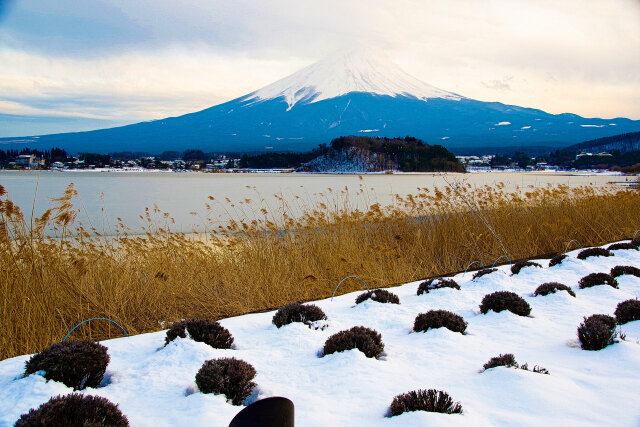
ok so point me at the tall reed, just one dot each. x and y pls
(49, 284)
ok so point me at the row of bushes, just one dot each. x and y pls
(85, 410)
(556, 260)
(81, 364)
(590, 252)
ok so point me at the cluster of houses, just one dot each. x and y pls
(28, 161)
(31, 161)
(483, 163)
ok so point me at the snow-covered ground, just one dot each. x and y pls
(154, 385)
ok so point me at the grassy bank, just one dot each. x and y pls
(50, 285)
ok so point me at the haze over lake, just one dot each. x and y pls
(106, 196)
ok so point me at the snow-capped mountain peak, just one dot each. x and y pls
(358, 70)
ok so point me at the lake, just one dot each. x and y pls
(106, 196)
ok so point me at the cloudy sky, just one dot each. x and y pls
(84, 64)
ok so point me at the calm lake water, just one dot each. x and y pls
(106, 196)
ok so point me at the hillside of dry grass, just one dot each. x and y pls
(142, 282)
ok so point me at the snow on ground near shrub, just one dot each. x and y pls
(155, 385)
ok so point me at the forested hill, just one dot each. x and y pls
(624, 143)
(374, 154)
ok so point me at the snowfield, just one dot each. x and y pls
(154, 385)
(350, 70)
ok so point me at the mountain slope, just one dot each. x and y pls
(346, 72)
(623, 143)
(347, 94)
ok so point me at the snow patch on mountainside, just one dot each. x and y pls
(348, 71)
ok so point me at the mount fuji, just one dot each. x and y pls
(350, 93)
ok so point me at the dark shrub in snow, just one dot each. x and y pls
(432, 284)
(627, 311)
(424, 400)
(201, 330)
(77, 364)
(229, 376)
(437, 319)
(482, 272)
(507, 360)
(296, 312)
(621, 270)
(593, 252)
(536, 369)
(596, 331)
(505, 300)
(623, 245)
(551, 288)
(74, 410)
(610, 321)
(557, 260)
(378, 295)
(597, 279)
(515, 268)
(364, 339)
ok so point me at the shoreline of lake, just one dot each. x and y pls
(103, 197)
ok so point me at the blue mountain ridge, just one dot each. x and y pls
(251, 124)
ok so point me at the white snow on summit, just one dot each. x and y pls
(349, 71)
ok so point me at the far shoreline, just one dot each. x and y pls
(549, 172)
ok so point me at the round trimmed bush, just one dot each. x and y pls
(364, 339)
(515, 268)
(437, 319)
(74, 410)
(424, 400)
(622, 245)
(610, 321)
(432, 284)
(202, 330)
(556, 260)
(483, 272)
(627, 311)
(621, 270)
(296, 312)
(505, 300)
(507, 360)
(551, 288)
(77, 364)
(584, 254)
(229, 376)
(597, 279)
(378, 295)
(596, 332)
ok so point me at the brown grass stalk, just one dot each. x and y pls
(49, 284)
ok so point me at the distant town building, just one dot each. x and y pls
(28, 161)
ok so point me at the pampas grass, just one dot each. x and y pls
(57, 273)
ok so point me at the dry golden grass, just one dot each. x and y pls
(50, 284)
